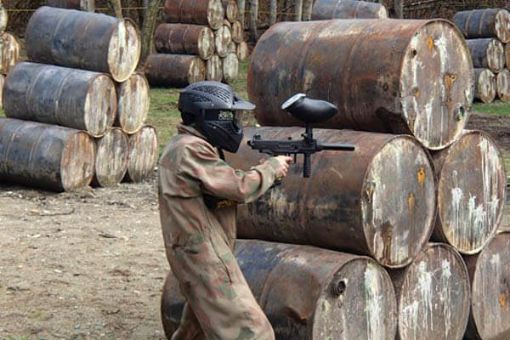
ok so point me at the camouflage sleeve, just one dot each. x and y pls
(201, 162)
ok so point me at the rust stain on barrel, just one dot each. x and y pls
(348, 9)
(354, 201)
(408, 76)
(308, 293)
(433, 295)
(471, 192)
(490, 284)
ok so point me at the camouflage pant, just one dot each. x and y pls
(220, 305)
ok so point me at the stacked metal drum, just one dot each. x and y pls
(396, 239)
(201, 39)
(76, 111)
(488, 34)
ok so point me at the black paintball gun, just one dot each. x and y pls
(309, 111)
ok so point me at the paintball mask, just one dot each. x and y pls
(212, 106)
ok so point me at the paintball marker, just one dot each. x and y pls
(308, 111)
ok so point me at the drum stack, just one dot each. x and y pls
(398, 238)
(76, 110)
(201, 39)
(488, 34)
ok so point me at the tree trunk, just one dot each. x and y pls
(254, 11)
(117, 7)
(287, 10)
(399, 8)
(298, 11)
(88, 5)
(307, 10)
(148, 26)
(241, 4)
(273, 9)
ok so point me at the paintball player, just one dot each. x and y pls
(198, 194)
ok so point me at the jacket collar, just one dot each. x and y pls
(190, 130)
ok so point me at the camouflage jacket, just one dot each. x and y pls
(191, 167)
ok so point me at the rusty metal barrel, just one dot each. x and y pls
(111, 158)
(487, 53)
(222, 39)
(69, 4)
(230, 66)
(308, 293)
(485, 85)
(214, 68)
(503, 85)
(433, 295)
(490, 276)
(198, 12)
(50, 94)
(134, 100)
(174, 70)
(237, 32)
(4, 18)
(231, 10)
(185, 39)
(400, 76)
(143, 154)
(2, 84)
(507, 55)
(45, 156)
(9, 52)
(243, 51)
(84, 40)
(348, 9)
(484, 23)
(471, 192)
(378, 200)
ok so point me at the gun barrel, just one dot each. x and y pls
(343, 147)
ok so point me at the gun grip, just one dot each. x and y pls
(307, 166)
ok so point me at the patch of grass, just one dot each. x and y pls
(498, 108)
(165, 116)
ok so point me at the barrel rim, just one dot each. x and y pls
(504, 73)
(154, 132)
(326, 288)
(110, 114)
(125, 160)
(197, 64)
(464, 271)
(113, 66)
(118, 117)
(495, 43)
(464, 45)
(88, 179)
(210, 18)
(472, 319)
(426, 236)
(498, 18)
(493, 79)
(439, 224)
(206, 33)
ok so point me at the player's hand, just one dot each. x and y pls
(283, 166)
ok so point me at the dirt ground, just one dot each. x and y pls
(81, 265)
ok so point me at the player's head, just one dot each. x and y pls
(211, 107)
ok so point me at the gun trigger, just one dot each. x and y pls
(295, 158)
